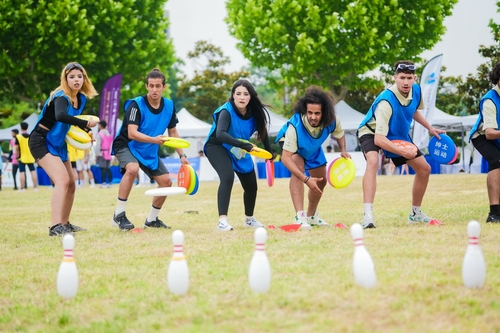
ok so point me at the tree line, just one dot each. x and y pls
(290, 44)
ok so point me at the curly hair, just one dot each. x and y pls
(495, 74)
(259, 110)
(316, 95)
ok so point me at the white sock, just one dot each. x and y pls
(301, 213)
(368, 209)
(120, 206)
(92, 181)
(415, 210)
(248, 218)
(153, 214)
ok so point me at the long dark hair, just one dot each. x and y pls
(258, 109)
(316, 95)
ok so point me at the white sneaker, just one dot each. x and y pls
(315, 220)
(368, 222)
(224, 226)
(251, 222)
(302, 220)
(419, 218)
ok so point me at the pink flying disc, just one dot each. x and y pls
(270, 172)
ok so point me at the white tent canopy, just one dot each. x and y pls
(349, 118)
(191, 127)
(451, 123)
(6, 133)
(276, 121)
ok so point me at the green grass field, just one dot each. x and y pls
(123, 275)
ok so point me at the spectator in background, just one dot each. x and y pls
(1, 166)
(328, 149)
(83, 165)
(201, 154)
(102, 149)
(276, 156)
(13, 157)
(73, 155)
(25, 158)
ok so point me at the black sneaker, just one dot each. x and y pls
(74, 228)
(121, 221)
(493, 217)
(58, 230)
(155, 224)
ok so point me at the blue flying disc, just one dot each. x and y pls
(442, 151)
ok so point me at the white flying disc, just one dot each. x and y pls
(164, 191)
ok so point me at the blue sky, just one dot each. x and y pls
(466, 30)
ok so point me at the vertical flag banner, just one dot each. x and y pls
(429, 84)
(110, 102)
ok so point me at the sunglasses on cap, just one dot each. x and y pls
(73, 65)
(401, 67)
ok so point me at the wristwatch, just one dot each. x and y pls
(182, 155)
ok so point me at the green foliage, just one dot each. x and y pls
(461, 97)
(361, 99)
(331, 43)
(270, 93)
(12, 113)
(37, 37)
(210, 87)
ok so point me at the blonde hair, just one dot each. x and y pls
(87, 88)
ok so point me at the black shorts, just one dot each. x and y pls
(489, 150)
(367, 143)
(73, 164)
(38, 143)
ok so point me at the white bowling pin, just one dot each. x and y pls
(362, 263)
(474, 266)
(67, 276)
(178, 272)
(259, 273)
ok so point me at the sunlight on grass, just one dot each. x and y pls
(123, 275)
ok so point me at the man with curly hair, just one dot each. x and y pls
(313, 122)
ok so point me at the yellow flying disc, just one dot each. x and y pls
(78, 134)
(258, 152)
(78, 145)
(341, 172)
(176, 142)
(87, 117)
(192, 180)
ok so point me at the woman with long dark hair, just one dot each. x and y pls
(239, 118)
